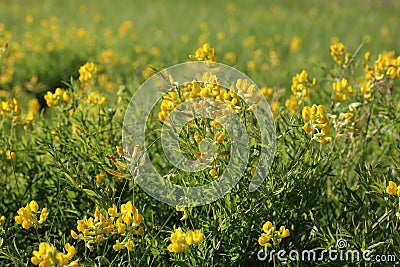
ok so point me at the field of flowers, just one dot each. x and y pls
(69, 187)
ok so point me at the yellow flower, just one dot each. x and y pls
(264, 239)
(177, 247)
(337, 51)
(341, 89)
(95, 98)
(47, 255)
(87, 71)
(113, 212)
(59, 97)
(220, 137)
(213, 172)
(367, 55)
(270, 234)
(107, 57)
(198, 138)
(74, 234)
(120, 151)
(99, 178)
(284, 232)
(130, 245)
(117, 246)
(295, 44)
(27, 215)
(181, 240)
(292, 103)
(10, 108)
(130, 214)
(391, 189)
(316, 123)
(2, 219)
(301, 85)
(204, 53)
(197, 236)
(267, 226)
(121, 227)
(9, 155)
(43, 216)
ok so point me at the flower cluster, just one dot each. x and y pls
(181, 240)
(125, 223)
(33, 108)
(59, 97)
(27, 216)
(393, 189)
(87, 71)
(271, 234)
(10, 109)
(301, 86)
(95, 98)
(342, 89)
(204, 53)
(48, 256)
(338, 53)
(386, 68)
(8, 154)
(210, 89)
(316, 123)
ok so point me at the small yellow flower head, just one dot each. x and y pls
(264, 239)
(197, 138)
(130, 245)
(342, 89)
(295, 44)
(292, 104)
(47, 255)
(213, 172)
(197, 236)
(301, 85)
(99, 178)
(267, 227)
(271, 234)
(74, 234)
(117, 246)
(95, 98)
(87, 71)
(337, 52)
(367, 55)
(59, 97)
(2, 219)
(181, 240)
(107, 57)
(316, 123)
(27, 215)
(284, 232)
(204, 53)
(221, 137)
(9, 155)
(391, 189)
(43, 216)
(120, 151)
(10, 108)
(113, 212)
